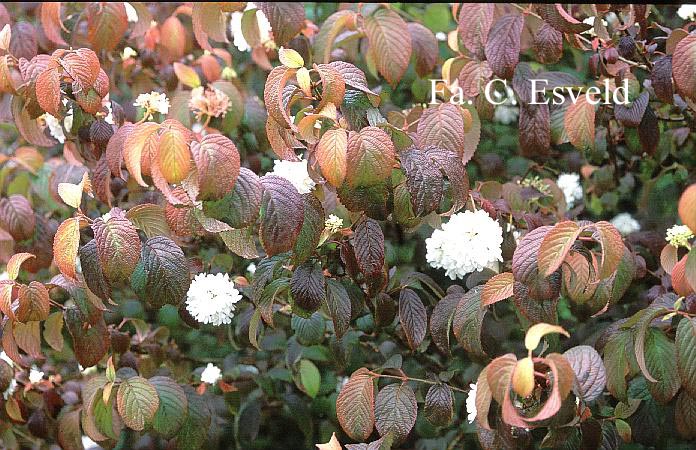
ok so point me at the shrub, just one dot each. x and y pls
(239, 225)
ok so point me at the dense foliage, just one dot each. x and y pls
(272, 225)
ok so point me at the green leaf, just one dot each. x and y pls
(173, 407)
(162, 275)
(686, 354)
(617, 363)
(310, 377)
(661, 359)
(441, 320)
(396, 410)
(193, 433)
(137, 402)
(643, 319)
(308, 331)
(468, 321)
(311, 230)
(339, 306)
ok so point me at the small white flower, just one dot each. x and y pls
(506, 114)
(109, 117)
(341, 381)
(679, 236)
(131, 13)
(471, 403)
(54, 126)
(211, 374)
(35, 375)
(469, 242)
(569, 183)
(687, 12)
(6, 358)
(625, 223)
(212, 298)
(236, 28)
(4, 276)
(590, 21)
(128, 52)
(333, 223)
(440, 36)
(10, 389)
(296, 173)
(251, 268)
(152, 103)
(88, 443)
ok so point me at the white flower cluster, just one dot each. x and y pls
(211, 374)
(152, 103)
(333, 223)
(212, 298)
(296, 173)
(569, 183)
(471, 404)
(236, 27)
(679, 236)
(469, 242)
(687, 12)
(625, 223)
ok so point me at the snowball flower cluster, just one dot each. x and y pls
(469, 242)
(333, 223)
(569, 183)
(236, 28)
(211, 374)
(625, 223)
(152, 103)
(679, 236)
(208, 102)
(687, 12)
(212, 298)
(471, 404)
(296, 173)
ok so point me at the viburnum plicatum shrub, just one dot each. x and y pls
(267, 225)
